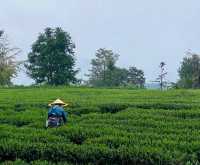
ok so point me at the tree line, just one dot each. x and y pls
(104, 71)
(52, 61)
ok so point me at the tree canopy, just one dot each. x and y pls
(103, 67)
(104, 71)
(189, 71)
(52, 58)
(8, 63)
(136, 77)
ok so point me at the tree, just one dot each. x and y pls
(103, 66)
(189, 71)
(8, 65)
(104, 71)
(161, 76)
(51, 59)
(136, 77)
(120, 76)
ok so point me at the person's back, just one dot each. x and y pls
(57, 111)
(56, 114)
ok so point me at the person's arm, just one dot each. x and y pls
(64, 116)
(49, 112)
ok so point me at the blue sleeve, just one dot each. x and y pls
(49, 112)
(64, 115)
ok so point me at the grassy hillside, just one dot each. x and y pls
(105, 126)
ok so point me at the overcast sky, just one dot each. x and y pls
(143, 32)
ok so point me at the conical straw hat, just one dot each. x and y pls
(58, 101)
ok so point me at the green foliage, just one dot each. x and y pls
(8, 64)
(16, 162)
(19, 107)
(83, 110)
(52, 60)
(105, 126)
(102, 68)
(104, 71)
(189, 72)
(136, 77)
(112, 108)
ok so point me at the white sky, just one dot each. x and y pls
(143, 32)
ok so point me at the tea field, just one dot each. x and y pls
(105, 126)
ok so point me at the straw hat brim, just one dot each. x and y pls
(58, 102)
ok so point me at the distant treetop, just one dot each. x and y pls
(51, 60)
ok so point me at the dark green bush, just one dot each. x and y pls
(151, 128)
(112, 107)
(20, 107)
(82, 110)
(16, 162)
(163, 106)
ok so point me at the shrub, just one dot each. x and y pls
(82, 110)
(19, 107)
(112, 107)
(133, 127)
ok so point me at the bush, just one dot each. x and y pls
(105, 126)
(16, 162)
(112, 108)
(19, 107)
(164, 106)
(82, 110)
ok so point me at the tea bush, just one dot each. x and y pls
(19, 107)
(112, 108)
(105, 126)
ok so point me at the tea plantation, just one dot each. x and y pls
(105, 126)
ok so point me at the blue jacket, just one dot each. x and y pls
(58, 111)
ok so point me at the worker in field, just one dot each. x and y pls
(56, 114)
